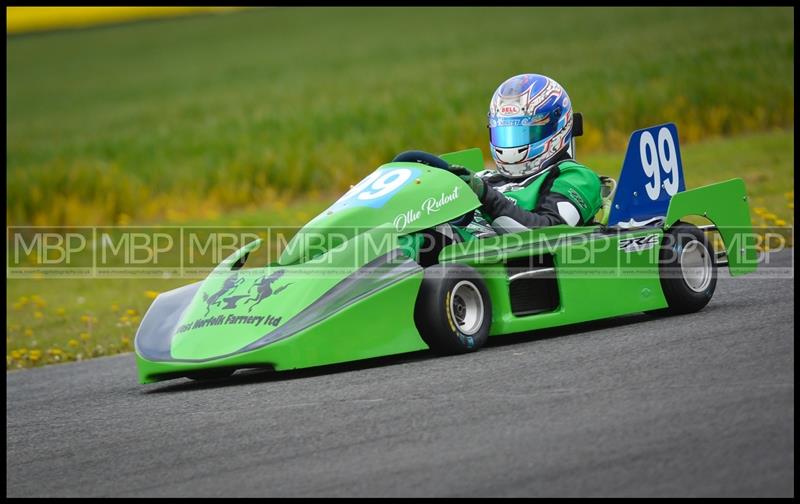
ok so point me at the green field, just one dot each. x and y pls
(263, 117)
(190, 118)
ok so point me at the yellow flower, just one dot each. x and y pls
(61, 311)
(780, 222)
(28, 332)
(85, 336)
(23, 300)
(55, 351)
(85, 318)
(135, 319)
(151, 294)
(73, 343)
(770, 216)
(123, 318)
(35, 355)
(17, 306)
(23, 350)
(15, 354)
(789, 195)
(115, 307)
(131, 311)
(125, 340)
(38, 314)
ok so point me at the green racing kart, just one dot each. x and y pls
(371, 277)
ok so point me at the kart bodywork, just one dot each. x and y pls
(346, 286)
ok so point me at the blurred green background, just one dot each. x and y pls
(264, 116)
(192, 117)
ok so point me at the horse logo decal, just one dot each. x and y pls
(228, 285)
(264, 288)
(231, 294)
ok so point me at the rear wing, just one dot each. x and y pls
(725, 205)
(651, 191)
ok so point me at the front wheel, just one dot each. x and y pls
(453, 311)
(211, 374)
(687, 268)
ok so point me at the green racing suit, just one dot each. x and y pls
(564, 193)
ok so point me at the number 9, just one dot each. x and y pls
(385, 184)
(650, 164)
(668, 162)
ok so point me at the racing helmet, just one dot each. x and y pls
(530, 124)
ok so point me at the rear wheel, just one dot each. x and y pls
(687, 268)
(453, 311)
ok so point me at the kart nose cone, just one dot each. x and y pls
(230, 311)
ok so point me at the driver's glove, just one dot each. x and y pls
(475, 183)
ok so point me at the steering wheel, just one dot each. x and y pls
(416, 156)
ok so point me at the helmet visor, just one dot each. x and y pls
(509, 132)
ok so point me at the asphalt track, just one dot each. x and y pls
(697, 405)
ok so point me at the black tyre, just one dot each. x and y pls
(687, 268)
(453, 310)
(211, 374)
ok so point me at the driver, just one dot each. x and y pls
(537, 183)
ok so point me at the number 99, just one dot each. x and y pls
(656, 157)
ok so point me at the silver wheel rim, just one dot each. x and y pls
(466, 307)
(696, 266)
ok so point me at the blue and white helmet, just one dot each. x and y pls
(530, 122)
